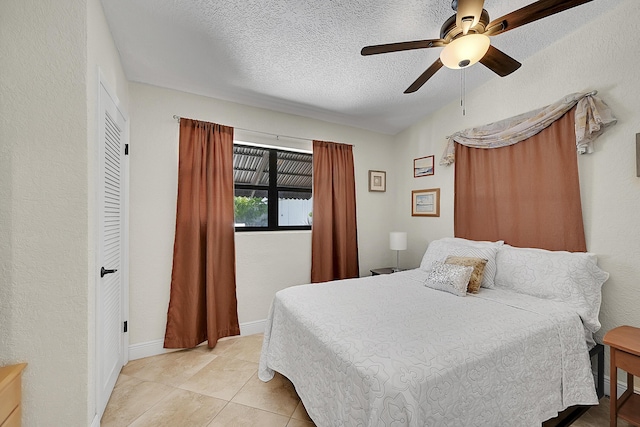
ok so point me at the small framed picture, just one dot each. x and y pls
(425, 202)
(423, 166)
(377, 181)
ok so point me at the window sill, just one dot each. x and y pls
(267, 232)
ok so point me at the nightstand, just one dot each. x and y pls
(385, 270)
(624, 342)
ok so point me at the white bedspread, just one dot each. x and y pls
(387, 351)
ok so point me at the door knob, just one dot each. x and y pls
(104, 271)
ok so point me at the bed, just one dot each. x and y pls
(389, 351)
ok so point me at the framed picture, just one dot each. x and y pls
(423, 166)
(425, 202)
(377, 181)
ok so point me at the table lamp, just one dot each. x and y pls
(397, 242)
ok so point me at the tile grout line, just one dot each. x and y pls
(240, 389)
(289, 418)
(154, 405)
(225, 353)
(219, 412)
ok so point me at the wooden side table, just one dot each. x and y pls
(624, 342)
(385, 270)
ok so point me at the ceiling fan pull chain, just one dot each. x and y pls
(463, 91)
(464, 109)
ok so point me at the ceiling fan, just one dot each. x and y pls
(465, 37)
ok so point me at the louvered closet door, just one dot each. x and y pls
(110, 345)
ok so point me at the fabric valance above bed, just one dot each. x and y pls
(592, 117)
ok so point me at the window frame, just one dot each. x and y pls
(272, 193)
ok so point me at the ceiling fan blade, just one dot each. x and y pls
(533, 12)
(499, 62)
(468, 9)
(425, 76)
(397, 47)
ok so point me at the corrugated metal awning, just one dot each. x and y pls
(251, 166)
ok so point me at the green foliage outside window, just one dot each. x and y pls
(250, 211)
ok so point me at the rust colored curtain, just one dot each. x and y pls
(527, 194)
(334, 239)
(202, 304)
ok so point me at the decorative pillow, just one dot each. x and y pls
(440, 249)
(478, 265)
(449, 278)
(570, 277)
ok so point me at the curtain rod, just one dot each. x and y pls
(277, 136)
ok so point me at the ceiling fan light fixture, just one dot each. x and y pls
(465, 51)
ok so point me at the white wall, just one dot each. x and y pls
(50, 54)
(266, 262)
(604, 56)
(43, 192)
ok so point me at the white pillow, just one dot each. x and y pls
(476, 243)
(450, 278)
(439, 250)
(570, 277)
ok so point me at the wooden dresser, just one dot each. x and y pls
(11, 395)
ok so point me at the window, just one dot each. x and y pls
(272, 189)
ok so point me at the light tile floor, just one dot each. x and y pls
(220, 388)
(204, 387)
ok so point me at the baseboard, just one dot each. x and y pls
(155, 347)
(95, 422)
(252, 328)
(147, 349)
(622, 387)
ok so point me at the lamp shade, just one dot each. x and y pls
(398, 240)
(465, 51)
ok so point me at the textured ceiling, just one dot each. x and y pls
(303, 57)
